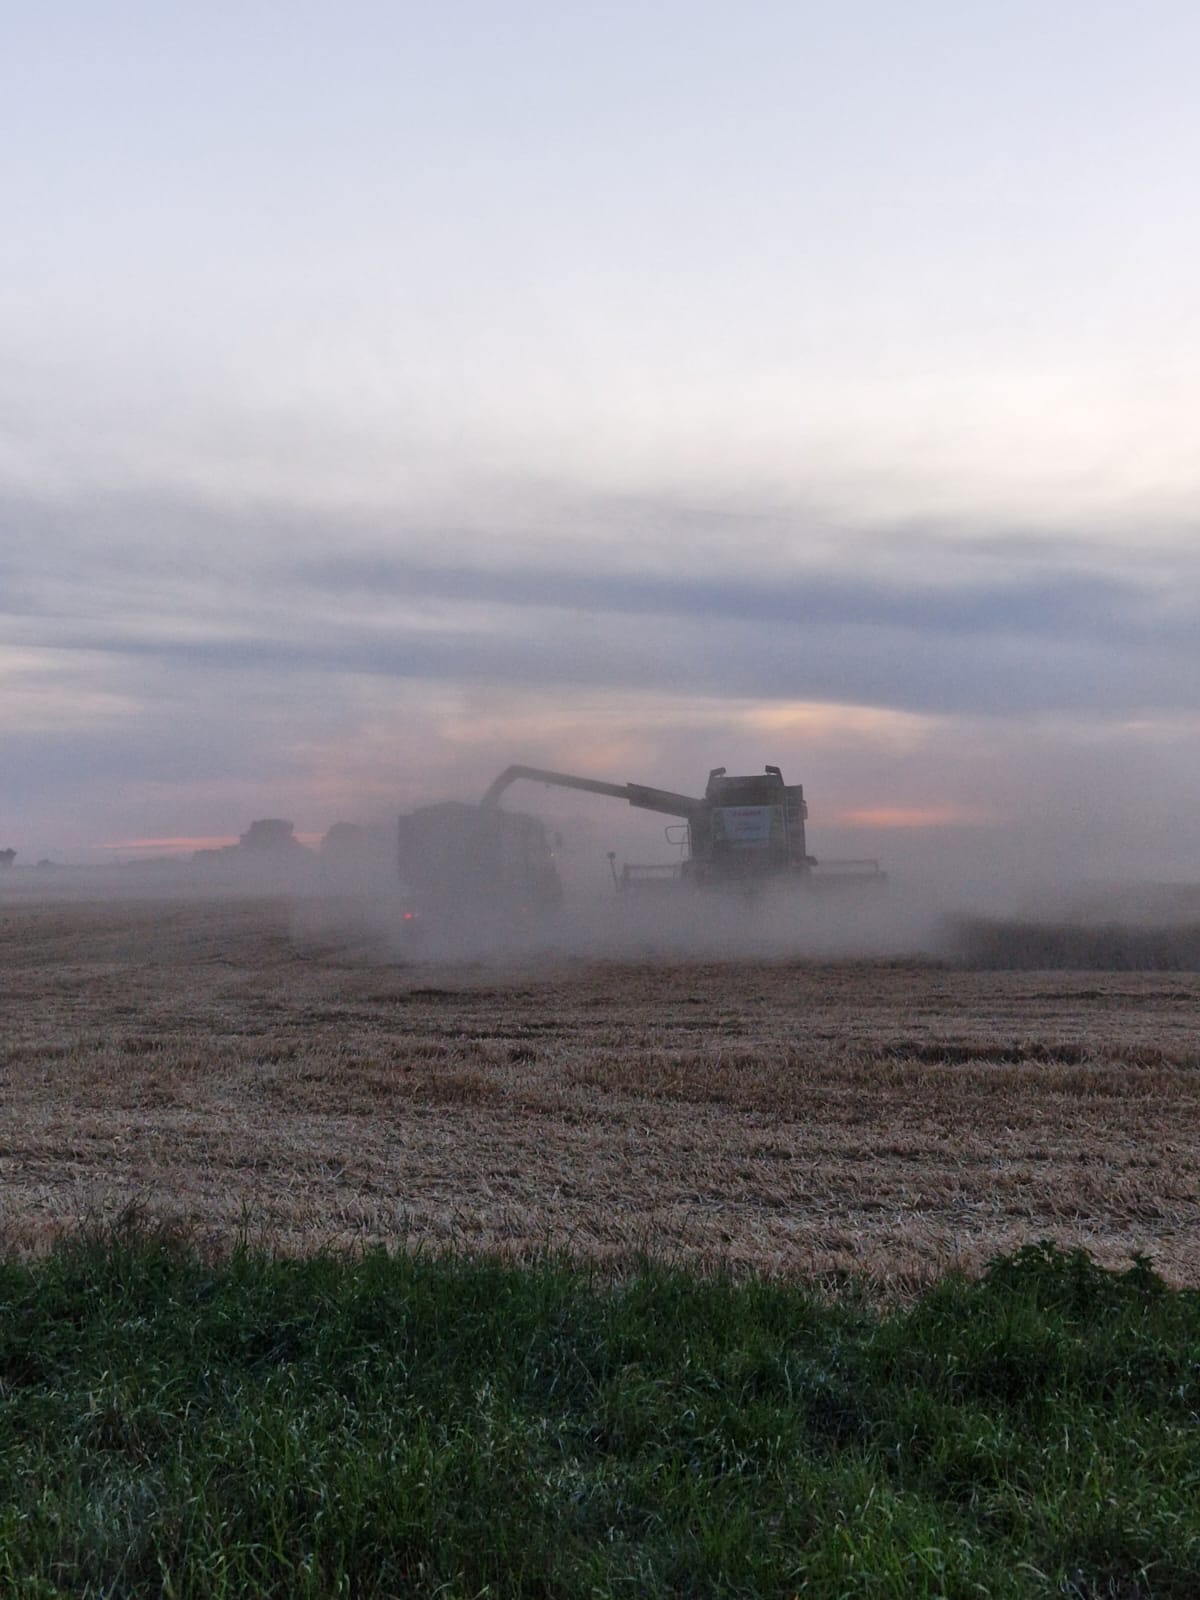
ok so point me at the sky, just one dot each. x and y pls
(392, 392)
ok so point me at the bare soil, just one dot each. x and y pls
(215, 1064)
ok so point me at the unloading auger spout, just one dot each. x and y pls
(637, 794)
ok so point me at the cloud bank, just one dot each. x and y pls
(173, 669)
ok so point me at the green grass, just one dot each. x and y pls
(375, 1425)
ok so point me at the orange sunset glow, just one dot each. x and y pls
(911, 817)
(177, 845)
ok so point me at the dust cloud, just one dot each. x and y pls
(974, 913)
(983, 897)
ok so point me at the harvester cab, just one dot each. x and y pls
(749, 826)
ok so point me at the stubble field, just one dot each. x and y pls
(224, 1066)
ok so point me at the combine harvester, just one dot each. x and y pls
(744, 832)
(466, 871)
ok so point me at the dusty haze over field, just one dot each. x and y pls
(390, 395)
